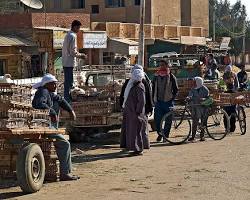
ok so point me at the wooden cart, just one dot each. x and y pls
(30, 156)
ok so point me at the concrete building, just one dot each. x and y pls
(168, 12)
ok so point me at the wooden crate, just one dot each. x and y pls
(197, 32)
(159, 31)
(185, 30)
(149, 31)
(113, 29)
(171, 32)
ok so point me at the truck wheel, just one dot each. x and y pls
(30, 168)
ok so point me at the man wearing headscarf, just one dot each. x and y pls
(148, 91)
(165, 89)
(45, 98)
(134, 134)
(199, 93)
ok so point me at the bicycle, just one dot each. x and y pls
(179, 119)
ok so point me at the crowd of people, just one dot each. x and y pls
(138, 97)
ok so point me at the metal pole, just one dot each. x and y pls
(244, 43)
(141, 37)
(214, 33)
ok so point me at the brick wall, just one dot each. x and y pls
(60, 19)
(30, 20)
(15, 21)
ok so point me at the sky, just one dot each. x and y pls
(246, 3)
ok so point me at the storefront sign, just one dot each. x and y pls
(133, 50)
(95, 40)
(225, 43)
(58, 38)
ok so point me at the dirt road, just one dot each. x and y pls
(210, 170)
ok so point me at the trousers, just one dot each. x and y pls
(68, 83)
(162, 108)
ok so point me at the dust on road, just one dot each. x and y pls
(209, 170)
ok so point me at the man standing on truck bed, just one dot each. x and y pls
(69, 55)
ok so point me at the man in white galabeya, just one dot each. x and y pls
(69, 56)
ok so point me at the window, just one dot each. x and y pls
(77, 4)
(2, 67)
(57, 4)
(95, 9)
(114, 3)
(186, 13)
(137, 2)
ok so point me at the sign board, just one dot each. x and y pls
(58, 38)
(94, 40)
(189, 40)
(225, 43)
(133, 50)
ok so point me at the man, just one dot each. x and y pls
(242, 78)
(45, 98)
(148, 91)
(69, 55)
(165, 89)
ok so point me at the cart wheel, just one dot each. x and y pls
(30, 168)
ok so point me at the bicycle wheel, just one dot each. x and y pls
(218, 124)
(242, 120)
(175, 128)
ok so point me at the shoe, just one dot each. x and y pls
(202, 139)
(69, 177)
(137, 153)
(159, 138)
(191, 139)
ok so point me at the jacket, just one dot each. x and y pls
(44, 99)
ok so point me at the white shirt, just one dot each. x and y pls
(69, 50)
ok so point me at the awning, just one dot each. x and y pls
(11, 40)
(123, 46)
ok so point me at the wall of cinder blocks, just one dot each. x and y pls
(131, 30)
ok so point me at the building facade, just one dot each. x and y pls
(168, 12)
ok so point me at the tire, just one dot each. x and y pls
(218, 124)
(30, 168)
(242, 120)
(180, 128)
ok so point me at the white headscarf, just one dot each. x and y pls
(48, 78)
(199, 82)
(136, 75)
(229, 68)
(137, 67)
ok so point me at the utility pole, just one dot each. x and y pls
(142, 34)
(244, 43)
(214, 33)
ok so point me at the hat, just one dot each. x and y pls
(48, 78)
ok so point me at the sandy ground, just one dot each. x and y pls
(210, 170)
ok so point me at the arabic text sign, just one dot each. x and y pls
(95, 40)
(225, 43)
(58, 38)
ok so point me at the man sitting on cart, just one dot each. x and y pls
(45, 98)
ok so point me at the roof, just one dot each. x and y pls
(12, 40)
(125, 41)
(56, 28)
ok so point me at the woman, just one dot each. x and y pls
(198, 94)
(165, 89)
(232, 84)
(134, 134)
